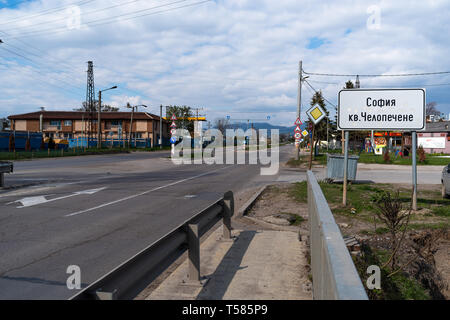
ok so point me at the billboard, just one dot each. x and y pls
(431, 142)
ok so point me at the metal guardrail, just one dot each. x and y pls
(334, 274)
(5, 167)
(131, 277)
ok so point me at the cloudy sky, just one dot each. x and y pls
(236, 58)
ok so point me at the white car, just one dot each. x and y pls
(445, 180)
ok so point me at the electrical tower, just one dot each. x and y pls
(90, 99)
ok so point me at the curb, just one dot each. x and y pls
(243, 210)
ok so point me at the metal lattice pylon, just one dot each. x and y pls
(90, 99)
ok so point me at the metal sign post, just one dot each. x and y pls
(414, 170)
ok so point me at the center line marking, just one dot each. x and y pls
(141, 194)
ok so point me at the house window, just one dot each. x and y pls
(68, 123)
(116, 123)
(55, 123)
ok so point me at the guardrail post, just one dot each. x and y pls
(228, 211)
(2, 180)
(194, 253)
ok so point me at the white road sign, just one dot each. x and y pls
(385, 109)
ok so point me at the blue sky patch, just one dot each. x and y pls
(315, 42)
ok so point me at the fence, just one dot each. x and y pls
(18, 140)
(334, 274)
(131, 277)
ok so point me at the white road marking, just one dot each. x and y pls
(33, 201)
(141, 194)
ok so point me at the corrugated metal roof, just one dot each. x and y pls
(440, 126)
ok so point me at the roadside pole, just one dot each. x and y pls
(414, 170)
(160, 127)
(344, 189)
(99, 123)
(311, 146)
(299, 101)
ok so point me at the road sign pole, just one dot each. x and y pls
(344, 189)
(311, 146)
(414, 170)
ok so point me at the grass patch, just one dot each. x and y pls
(397, 287)
(359, 203)
(443, 211)
(295, 220)
(320, 159)
(429, 160)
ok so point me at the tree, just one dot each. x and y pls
(4, 123)
(338, 133)
(105, 107)
(431, 109)
(320, 130)
(222, 124)
(182, 113)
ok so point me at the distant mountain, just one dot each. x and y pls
(268, 126)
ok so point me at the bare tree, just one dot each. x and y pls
(431, 109)
(222, 124)
(391, 212)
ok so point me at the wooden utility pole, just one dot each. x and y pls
(299, 102)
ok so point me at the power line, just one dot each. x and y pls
(39, 56)
(14, 4)
(376, 75)
(43, 81)
(47, 11)
(64, 18)
(110, 19)
(322, 96)
(26, 58)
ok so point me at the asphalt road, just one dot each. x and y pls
(97, 211)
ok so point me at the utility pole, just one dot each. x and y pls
(131, 127)
(299, 102)
(327, 132)
(160, 127)
(99, 124)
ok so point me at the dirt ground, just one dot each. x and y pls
(276, 208)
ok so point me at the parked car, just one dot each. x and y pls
(445, 180)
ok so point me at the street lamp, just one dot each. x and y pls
(99, 125)
(131, 121)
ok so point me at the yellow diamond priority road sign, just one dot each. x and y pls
(316, 114)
